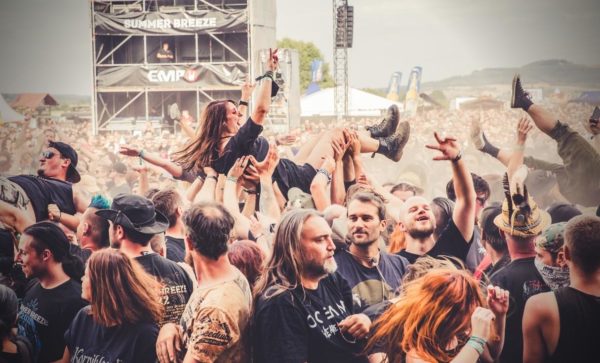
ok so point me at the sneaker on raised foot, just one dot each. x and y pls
(388, 125)
(392, 146)
(476, 135)
(520, 98)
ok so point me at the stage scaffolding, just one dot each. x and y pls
(214, 46)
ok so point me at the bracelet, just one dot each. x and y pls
(212, 177)
(248, 191)
(326, 173)
(477, 343)
(232, 179)
(458, 157)
(243, 103)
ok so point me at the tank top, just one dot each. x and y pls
(43, 191)
(579, 327)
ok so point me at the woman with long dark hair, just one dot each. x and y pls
(121, 322)
(443, 317)
(13, 349)
(221, 139)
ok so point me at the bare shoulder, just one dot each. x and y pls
(543, 306)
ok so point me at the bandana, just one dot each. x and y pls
(554, 277)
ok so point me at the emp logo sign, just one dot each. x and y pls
(173, 75)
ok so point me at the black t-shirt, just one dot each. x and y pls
(476, 251)
(246, 142)
(167, 52)
(177, 287)
(371, 285)
(83, 253)
(450, 243)
(89, 341)
(45, 315)
(175, 249)
(43, 191)
(522, 280)
(301, 325)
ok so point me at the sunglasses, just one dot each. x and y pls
(48, 154)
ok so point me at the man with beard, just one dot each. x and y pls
(303, 311)
(418, 222)
(373, 275)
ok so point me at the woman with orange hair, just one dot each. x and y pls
(440, 317)
(121, 322)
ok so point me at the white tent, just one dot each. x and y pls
(360, 103)
(7, 114)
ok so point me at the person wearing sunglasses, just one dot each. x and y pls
(51, 194)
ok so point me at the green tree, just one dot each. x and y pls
(307, 51)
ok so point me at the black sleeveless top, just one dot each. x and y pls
(579, 327)
(43, 191)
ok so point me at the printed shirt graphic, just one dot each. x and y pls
(129, 343)
(177, 285)
(215, 320)
(371, 285)
(521, 278)
(302, 325)
(45, 315)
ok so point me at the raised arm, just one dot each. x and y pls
(464, 210)
(14, 217)
(230, 197)
(318, 187)
(516, 159)
(267, 202)
(172, 168)
(207, 192)
(263, 100)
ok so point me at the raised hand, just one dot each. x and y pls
(53, 213)
(247, 89)
(448, 146)
(481, 323)
(267, 166)
(357, 325)
(523, 128)
(273, 61)
(238, 167)
(497, 300)
(128, 151)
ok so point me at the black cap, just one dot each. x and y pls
(68, 152)
(136, 213)
(562, 212)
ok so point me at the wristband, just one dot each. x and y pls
(141, 154)
(243, 103)
(232, 179)
(458, 157)
(477, 344)
(248, 191)
(212, 177)
(326, 173)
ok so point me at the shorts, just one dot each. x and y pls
(288, 175)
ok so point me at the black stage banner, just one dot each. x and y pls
(172, 76)
(201, 21)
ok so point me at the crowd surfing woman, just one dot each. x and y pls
(441, 317)
(221, 139)
(121, 322)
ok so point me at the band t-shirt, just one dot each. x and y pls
(522, 279)
(175, 249)
(450, 243)
(371, 285)
(301, 325)
(215, 322)
(177, 286)
(89, 341)
(45, 315)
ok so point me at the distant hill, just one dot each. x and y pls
(553, 72)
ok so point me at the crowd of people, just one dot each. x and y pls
(400, 240)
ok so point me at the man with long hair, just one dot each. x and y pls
(303, 310)
(51, 302)
(213, 325)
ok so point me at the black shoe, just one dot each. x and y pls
(520, 98)
(392, 146)
(388, 125)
